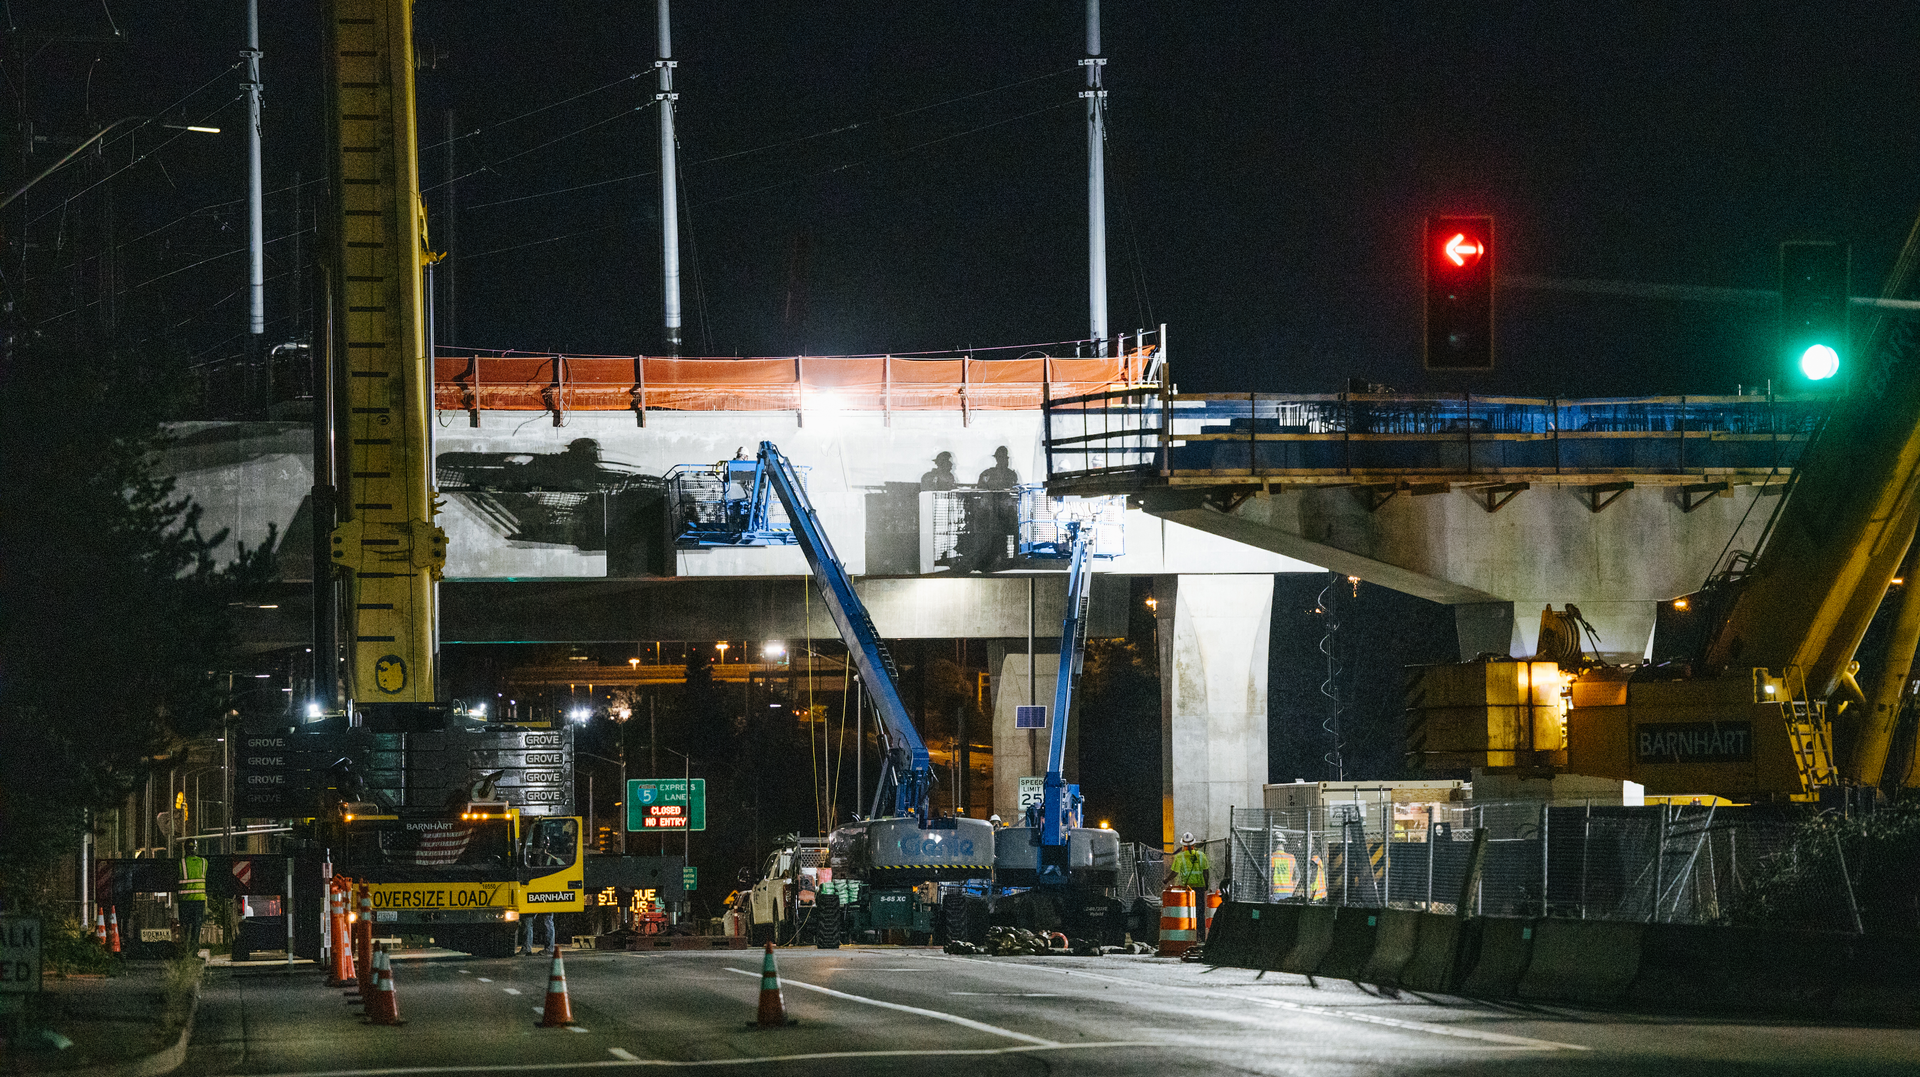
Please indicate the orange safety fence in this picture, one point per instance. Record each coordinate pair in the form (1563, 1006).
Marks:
(805, 383)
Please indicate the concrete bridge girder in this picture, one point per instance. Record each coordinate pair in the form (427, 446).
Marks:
(517, 573)
(1497, 569)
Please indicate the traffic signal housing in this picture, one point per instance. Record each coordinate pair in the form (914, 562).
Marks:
(1459, 261)
(1814, 280)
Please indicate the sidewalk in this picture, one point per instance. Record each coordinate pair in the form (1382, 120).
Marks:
(134, 1025)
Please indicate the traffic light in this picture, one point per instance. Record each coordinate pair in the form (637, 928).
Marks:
(1814, 279)
(1459, 259)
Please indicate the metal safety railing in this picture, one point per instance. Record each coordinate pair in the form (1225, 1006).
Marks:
(1152, 432)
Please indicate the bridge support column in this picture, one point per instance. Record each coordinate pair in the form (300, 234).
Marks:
(1213, 699)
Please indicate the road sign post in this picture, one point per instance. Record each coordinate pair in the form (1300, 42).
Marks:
(659, 804)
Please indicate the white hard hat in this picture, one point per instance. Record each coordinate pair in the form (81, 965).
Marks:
(994, 819)
(1187, 838)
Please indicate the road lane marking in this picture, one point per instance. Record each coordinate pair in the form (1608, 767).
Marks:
(485, 980)
(1007, 994)
(818, 1056)
(623, 1054)
(954, 1018)
(465, 972)
(511, 990)
(1328, 1011)
(575, 1028)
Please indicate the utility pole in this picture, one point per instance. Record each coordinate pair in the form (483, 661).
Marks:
(669, 187)
(1096, 182)
(256, 230)
(451, 232)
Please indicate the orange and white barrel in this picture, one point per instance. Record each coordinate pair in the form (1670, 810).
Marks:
(1213, 903)
(1177, 921)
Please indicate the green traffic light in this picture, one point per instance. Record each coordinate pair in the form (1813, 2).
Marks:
(1819, 362)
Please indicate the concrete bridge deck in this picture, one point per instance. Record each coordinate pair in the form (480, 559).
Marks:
(560, 530)
(1614, 505)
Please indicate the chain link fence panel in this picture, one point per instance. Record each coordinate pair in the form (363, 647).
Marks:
(1685, 864)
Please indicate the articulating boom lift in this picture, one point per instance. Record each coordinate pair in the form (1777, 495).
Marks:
(910, 845)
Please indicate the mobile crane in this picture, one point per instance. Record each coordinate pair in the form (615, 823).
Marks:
(455, 859)
(1754, 674)
(909, 845)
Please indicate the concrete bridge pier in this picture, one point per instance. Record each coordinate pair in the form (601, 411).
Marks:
(1212, 633)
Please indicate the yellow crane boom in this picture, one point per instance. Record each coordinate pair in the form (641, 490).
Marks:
(387, 541)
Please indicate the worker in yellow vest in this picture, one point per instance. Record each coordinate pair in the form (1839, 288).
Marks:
(1190, 868)
(1284, 869)
(191, 893)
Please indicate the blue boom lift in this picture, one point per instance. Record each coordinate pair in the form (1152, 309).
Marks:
(1052, 848)
(903, 843)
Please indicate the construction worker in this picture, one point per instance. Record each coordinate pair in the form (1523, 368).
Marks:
(1286, 871)
(191, 893)
(1190, 868)
(1190, 865)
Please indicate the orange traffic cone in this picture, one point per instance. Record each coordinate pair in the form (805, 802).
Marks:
(384, 1006)
(773, 1009)
(113, 930)
(343, 973)
(363, 941)
(100, 925)
(559, 1009)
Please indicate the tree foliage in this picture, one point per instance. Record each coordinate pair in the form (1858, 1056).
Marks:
(112, 609)
(1833, 865)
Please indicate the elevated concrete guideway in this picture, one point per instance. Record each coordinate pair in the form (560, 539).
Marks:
(560, 527)
(1495, 506)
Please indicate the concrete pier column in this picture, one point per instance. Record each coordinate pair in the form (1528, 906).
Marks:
(1019, 753)
(1213, 698)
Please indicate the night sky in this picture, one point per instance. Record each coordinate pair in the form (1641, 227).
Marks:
(864, 177)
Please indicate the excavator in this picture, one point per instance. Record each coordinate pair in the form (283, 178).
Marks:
(1755, 692)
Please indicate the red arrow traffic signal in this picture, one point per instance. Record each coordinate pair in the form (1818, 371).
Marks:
(1459, 267)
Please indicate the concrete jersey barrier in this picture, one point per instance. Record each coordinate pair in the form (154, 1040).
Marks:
(1312, 939)
(1655, 966)
(1434, 965)
(1582, 961)
(1355, 932)
(1494, 956)
(1393, 947)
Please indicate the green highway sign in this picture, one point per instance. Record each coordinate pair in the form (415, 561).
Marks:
(690, 875)
(657, 804)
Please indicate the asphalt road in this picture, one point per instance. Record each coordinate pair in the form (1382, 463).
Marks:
(882, 1012)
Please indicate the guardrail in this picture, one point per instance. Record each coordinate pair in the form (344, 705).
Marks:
(1148, 435)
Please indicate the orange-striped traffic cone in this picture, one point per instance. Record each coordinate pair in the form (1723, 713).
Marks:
(363, 940)
(773, 1008)
(384, 1007)
(343, 973)
(100, 925)
(113, 930)
(559, 1011)
(1176, 921)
